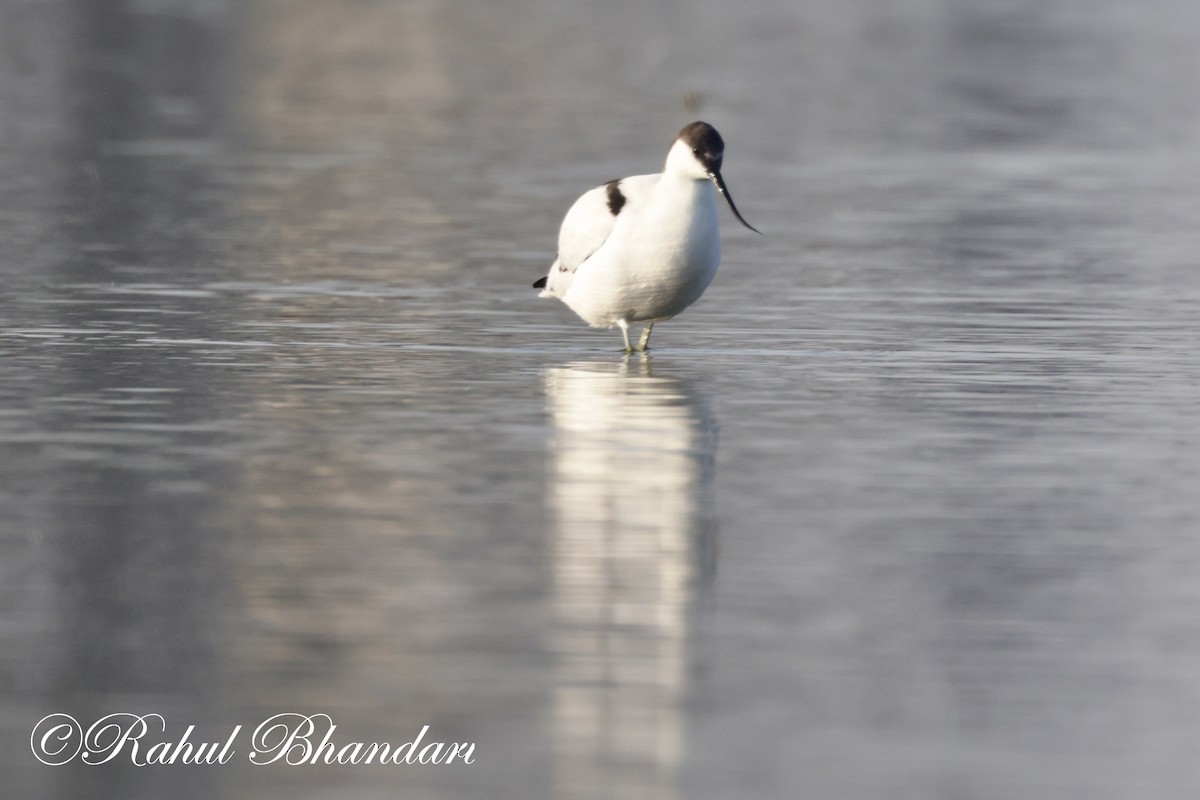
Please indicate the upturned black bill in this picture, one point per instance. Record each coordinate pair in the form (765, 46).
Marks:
(719, 182)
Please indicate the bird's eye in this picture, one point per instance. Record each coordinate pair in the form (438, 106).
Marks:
(696, 151)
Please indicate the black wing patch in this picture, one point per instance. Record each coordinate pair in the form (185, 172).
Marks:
(616, 200)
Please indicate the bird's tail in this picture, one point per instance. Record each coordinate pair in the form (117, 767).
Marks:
(543, 282)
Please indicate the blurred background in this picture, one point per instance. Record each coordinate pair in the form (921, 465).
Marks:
(905, 507)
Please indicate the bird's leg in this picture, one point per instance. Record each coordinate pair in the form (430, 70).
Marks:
(645, 340)
(624, 326)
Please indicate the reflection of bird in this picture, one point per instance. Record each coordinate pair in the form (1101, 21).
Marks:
(632, 538)
(642, 249)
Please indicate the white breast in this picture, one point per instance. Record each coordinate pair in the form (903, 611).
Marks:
(662, 254)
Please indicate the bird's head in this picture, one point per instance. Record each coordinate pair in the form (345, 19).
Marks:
(697, 153)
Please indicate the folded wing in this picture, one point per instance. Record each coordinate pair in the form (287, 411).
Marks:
(588, 225)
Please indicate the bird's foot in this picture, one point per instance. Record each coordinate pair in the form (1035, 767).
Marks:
(625, 336)
(644, 342)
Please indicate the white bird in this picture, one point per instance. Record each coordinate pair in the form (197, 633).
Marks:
(644, 248)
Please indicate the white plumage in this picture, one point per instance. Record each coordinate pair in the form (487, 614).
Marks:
(644, 248)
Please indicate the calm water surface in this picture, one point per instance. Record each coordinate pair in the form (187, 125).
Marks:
(906, 507)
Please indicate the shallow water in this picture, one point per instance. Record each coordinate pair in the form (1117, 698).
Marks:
(904, 507)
